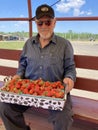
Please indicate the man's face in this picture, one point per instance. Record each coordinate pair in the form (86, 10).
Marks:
(45, 26)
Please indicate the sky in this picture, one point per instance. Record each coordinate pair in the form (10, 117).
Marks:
(62, 8)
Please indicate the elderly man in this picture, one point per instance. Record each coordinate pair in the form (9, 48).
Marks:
(51, 58)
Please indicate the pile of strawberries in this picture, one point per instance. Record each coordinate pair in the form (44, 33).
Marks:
(35, 87)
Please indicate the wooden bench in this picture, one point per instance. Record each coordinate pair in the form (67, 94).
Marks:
(84, 108)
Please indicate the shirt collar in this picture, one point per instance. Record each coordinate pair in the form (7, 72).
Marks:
(36, 39)
(53, 39)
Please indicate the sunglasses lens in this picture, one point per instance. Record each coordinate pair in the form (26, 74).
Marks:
(47, 23)
(40, 23)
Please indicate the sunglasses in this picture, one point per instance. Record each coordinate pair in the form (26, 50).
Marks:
(47, 23)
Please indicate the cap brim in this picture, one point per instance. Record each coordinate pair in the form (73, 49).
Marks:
(42, 15)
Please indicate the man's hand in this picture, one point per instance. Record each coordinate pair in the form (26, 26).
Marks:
(69, 84)
(16, 77)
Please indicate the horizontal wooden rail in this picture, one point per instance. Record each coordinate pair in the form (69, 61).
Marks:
(86, 62)
(14, 19)
(86, 84)
(77, 18)
(10, 54)
(7, 71)
(94, 18)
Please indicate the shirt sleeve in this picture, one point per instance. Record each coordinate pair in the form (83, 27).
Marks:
(22, 62)
(69, 63)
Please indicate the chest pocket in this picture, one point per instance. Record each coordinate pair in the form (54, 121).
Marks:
(53, 58)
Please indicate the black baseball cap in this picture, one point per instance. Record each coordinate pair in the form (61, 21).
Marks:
(44, 10)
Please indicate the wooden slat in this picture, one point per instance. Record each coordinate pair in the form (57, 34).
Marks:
(85, 109)
(86, 62)
(7, 71)
(14, 19)
(39, 122)
(86, 84)
(10, 54)
(76, 18)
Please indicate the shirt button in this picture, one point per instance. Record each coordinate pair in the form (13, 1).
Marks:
(40, 67)
(41, 56)
(50, 54)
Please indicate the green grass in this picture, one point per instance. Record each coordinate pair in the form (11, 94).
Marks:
(15, 45)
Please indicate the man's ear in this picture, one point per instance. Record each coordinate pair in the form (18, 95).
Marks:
(54, 22)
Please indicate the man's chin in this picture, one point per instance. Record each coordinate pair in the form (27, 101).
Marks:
(45, 37)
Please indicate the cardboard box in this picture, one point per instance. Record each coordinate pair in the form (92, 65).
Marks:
(32, 100)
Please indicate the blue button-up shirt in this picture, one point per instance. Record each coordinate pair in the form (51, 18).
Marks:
(53, 62)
